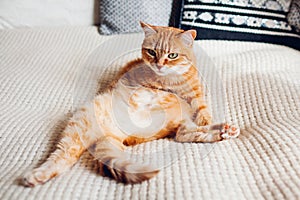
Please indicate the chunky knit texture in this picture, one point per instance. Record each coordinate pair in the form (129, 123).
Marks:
(40, 87)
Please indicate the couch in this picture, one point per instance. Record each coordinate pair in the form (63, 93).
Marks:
(44, 79)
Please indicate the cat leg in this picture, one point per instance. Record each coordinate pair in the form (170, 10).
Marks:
(114, 163)
(67, 154)
(198, 134)
(68, 151)
(202, 115)
(195, 97)
(189, 132)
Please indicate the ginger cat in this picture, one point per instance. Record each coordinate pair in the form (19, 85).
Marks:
(163, 83)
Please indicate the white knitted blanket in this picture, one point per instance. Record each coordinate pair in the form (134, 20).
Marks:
(43, 80)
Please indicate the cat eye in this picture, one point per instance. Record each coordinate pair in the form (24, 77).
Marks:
(173, 55)
(151, 52)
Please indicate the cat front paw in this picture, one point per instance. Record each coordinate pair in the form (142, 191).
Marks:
(203, 118)
(230, 131)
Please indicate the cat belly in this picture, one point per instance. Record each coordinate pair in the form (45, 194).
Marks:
(145, 112)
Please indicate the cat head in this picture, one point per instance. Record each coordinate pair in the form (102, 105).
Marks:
(167, 50)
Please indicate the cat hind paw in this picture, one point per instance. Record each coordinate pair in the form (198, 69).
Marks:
(230, 131)
(35, 177)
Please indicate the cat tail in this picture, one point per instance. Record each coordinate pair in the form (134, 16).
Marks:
(113, 162)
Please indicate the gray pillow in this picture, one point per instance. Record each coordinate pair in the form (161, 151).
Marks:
(123, 16)
(294, 15)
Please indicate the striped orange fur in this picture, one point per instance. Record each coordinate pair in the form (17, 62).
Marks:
(163, 83)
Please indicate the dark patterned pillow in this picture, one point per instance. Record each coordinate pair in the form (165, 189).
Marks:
(248, 20)
(122, 16)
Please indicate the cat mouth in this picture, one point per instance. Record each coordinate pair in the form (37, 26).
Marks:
(162, 70)
(159, 71)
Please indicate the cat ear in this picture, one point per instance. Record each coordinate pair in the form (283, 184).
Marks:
(148, 29)
(188, 37)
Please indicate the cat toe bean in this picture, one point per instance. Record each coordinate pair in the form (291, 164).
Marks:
(230, 131)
